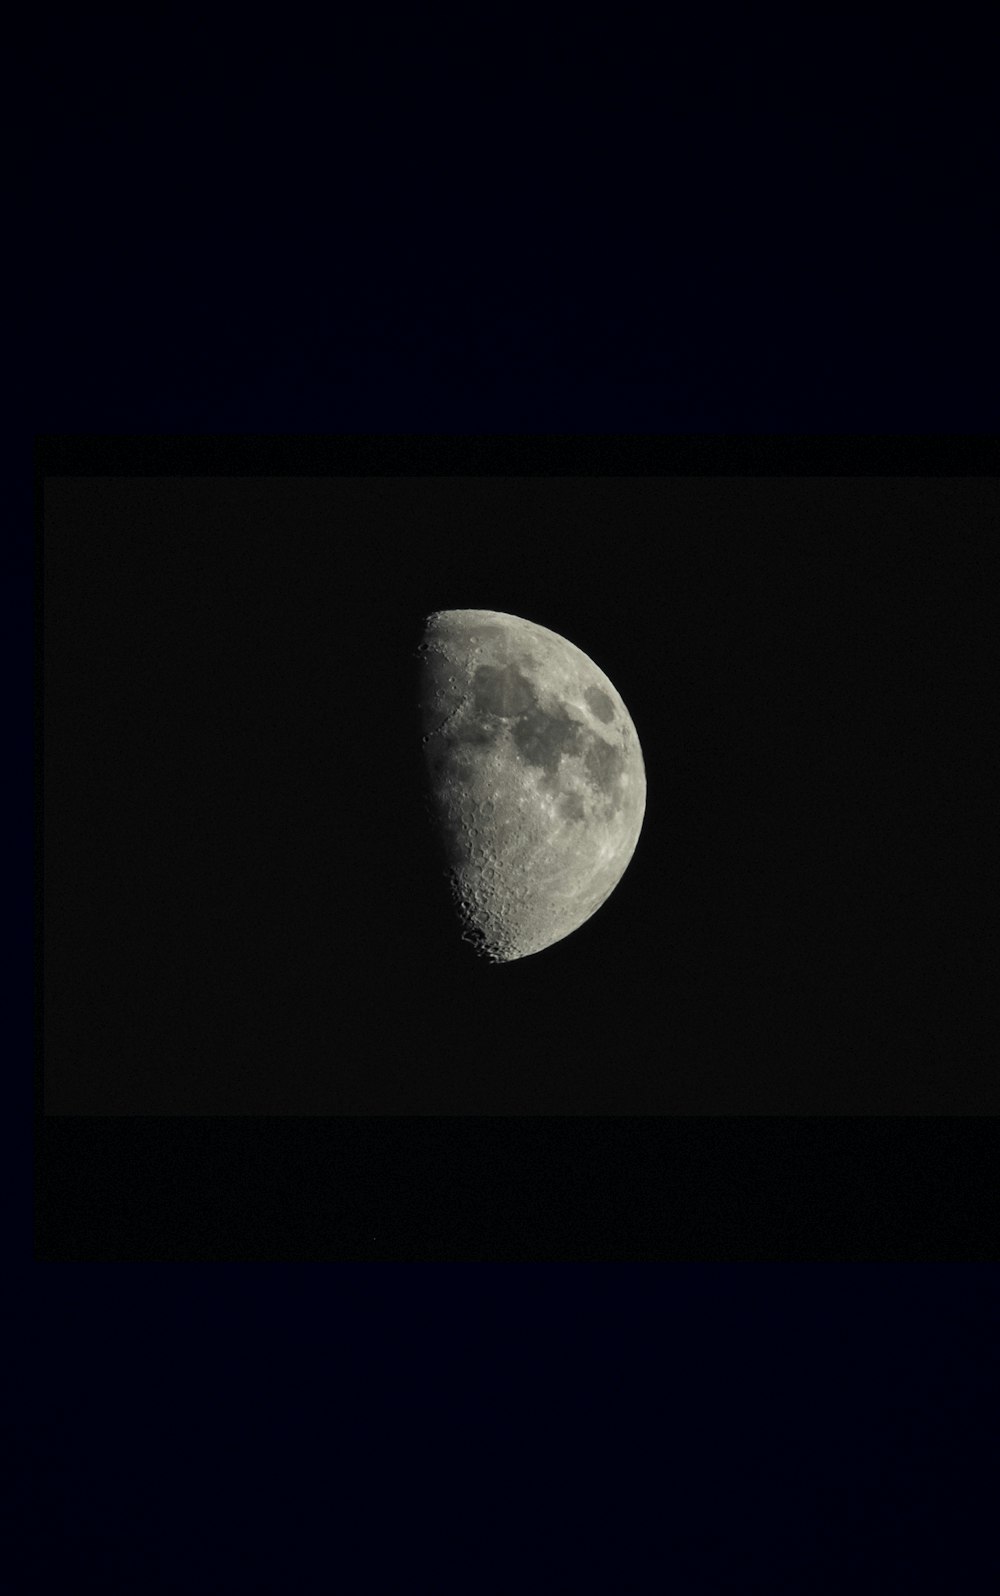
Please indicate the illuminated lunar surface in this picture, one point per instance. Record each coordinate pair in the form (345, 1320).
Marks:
(536, 782)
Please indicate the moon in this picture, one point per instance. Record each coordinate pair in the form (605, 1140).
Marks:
(535, 778)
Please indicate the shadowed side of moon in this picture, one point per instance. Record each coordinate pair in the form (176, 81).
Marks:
(535, 780)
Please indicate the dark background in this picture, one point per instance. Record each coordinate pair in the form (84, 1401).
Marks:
(614, 226)
(694, 1427)
(244, 914)
(618, 223)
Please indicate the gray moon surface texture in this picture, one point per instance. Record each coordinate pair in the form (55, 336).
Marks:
(535, 778)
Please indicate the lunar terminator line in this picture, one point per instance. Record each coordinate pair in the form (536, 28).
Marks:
(536, 780)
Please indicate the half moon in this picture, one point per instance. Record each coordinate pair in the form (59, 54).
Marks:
(536, 782)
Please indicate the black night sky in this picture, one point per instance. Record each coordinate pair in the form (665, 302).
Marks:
(243, 918)
(249, 919)
(731, 1140)
(686, 1427)
(561, 230)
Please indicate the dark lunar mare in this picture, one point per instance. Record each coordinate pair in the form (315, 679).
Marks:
(502, 690)
(542, 739)
(603, 763)
(600, 705)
